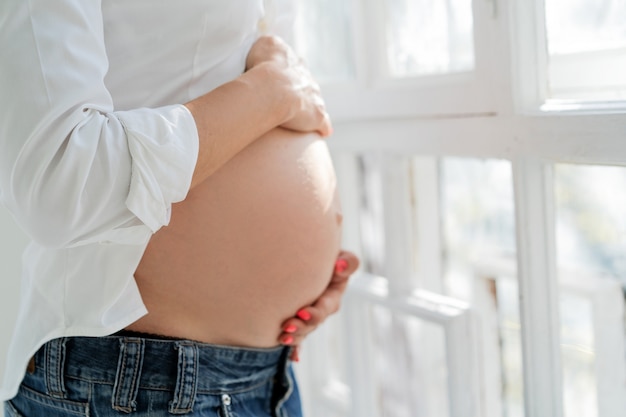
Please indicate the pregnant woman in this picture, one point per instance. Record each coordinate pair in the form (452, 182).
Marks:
(169, 165)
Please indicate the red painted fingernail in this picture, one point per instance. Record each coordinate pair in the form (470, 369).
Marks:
(341, 265)
(295, 357)
(304, 315)
(287, 340)
(290, 329)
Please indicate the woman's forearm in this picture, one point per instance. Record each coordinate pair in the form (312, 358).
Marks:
(232, 116)
(276, 90)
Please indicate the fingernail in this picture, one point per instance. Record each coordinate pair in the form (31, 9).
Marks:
(296, 357)
(290, 329)
(287, 340)
(304, 315)
(341, 265)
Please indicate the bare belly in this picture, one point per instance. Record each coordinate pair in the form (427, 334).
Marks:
(248, 247)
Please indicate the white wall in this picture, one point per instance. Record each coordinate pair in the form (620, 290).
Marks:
(12, 243)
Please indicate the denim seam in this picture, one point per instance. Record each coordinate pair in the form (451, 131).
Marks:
(11, 409)
(165, 388)
(127, 386)
(186, 379)
(119, 382)
(54, 371)
(68, 406)
(290, 384)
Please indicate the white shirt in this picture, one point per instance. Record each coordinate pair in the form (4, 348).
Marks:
(95, 145)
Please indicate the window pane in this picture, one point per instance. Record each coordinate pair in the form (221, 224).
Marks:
(578, 356)
(509, 329)
(323, 371)
(587, 49)
(480, 267)
(478, 220)
(503, 370)
(591, 248)
(324, 38)
(591, 225)
(411, 370)
(372, 214)
(426, 37)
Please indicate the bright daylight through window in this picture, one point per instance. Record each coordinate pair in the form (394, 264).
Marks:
(488, 217)
(587, 49)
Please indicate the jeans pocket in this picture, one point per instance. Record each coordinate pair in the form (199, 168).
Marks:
(29, 403)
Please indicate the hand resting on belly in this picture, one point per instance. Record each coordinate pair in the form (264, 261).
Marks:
(249, 246)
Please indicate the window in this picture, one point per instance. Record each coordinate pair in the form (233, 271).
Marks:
(479, 149)
(587, 49)
(426, 37)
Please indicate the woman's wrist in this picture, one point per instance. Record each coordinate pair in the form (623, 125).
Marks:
(233, 115)
(270, 49)
(269, 81)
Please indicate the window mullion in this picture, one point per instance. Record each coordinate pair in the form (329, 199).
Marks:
(428, 239)
(608, 321)
(397, 220)
(530, 58)
(538, 285)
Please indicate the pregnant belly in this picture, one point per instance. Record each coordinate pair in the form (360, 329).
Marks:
(248, 247)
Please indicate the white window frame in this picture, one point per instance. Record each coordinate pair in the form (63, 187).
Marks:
(451, 116)
(607, 301)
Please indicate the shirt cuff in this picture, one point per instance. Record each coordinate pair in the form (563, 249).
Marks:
(163, 144)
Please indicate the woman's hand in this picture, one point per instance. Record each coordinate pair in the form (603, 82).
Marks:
(293, 81)
(308, 318)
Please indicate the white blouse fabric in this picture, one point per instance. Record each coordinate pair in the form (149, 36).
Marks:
(95, 145)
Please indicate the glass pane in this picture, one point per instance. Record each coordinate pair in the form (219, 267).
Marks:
(426, 37)
(324, 38)
(591, 255)
(509, 327)
(325, 359)
(410, 366)
(587, 49)
(591, 225)
(578, 356)
(480, 267)
(336, 350)
(478, 220)
(503, 372)
(372, 215)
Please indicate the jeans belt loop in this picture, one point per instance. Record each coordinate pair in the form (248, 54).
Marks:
(54, 367)
(186, 378)
(128, 374)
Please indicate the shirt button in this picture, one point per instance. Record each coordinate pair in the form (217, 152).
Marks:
(225, 399)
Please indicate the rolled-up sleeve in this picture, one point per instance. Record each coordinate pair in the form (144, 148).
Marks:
(72, 169)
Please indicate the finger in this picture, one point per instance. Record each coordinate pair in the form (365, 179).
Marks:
(295, 326)
(292, 340)
(294, 329)
(329, 302)
(295, 354)
(324, 307)
(349, 258)
(326, 127)
(308, 318)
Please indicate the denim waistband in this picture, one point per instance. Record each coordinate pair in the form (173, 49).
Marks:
(160, 363)
(181, 369)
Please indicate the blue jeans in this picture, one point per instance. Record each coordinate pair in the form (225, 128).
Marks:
(140, 376)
